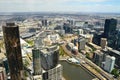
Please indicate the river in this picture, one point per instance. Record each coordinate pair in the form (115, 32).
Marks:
(73, 72)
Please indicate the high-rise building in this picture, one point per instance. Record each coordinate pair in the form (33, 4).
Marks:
(49, 57)
(98, 57)
(36, 62)
(110, 32)
(44, 22)
(110, 27)
(67, 28)
(116, 54)
(49, 61)
(103, 43)
(13, 50)
(71, 22)
(109, 63)
(81, 43)
(118, 41)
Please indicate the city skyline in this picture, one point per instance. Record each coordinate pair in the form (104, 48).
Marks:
(60, 6)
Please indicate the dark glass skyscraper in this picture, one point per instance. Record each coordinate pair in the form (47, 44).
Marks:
(110, 32)
(110, 27)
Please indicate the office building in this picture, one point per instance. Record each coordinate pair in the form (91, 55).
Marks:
(109, 63)
(81, 43)
(49, 61)
(116, 54)
(49, 57)
(36, 62)
(110, 32)
(44, 22)
(110, 27)
(71, 22)
(13, 50)
(97, 38)
(53, 74)
(118, 40)
(103, 43)
(67, 28)
(2, 74)
(98, 57)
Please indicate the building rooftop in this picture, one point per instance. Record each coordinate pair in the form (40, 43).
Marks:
(52, 68)
(114, 51)
(49, 49)
(95, 46)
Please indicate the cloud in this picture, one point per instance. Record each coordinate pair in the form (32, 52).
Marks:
(57, 5)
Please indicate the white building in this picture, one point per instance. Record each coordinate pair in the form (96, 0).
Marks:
(53, 74)
(53, 38)
(109, 63)
(80, 31)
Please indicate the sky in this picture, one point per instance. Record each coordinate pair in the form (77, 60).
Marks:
(112, 6)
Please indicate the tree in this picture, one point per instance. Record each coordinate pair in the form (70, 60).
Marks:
(115, 72)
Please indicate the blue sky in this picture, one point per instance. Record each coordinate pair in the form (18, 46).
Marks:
(60, 5)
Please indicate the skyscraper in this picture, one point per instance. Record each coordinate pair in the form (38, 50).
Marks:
(118, 41)
(44, 22)
(36, 62)
(110, 32)
(49, 57)
(13, 50)
(67, 28)
(109, 27)
(49, 61)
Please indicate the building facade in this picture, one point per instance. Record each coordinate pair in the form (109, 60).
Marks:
(49, 57)
(53, 74)
(13, 50)
(98, 57)
(109, 63)
(110, 27)
(81, 43)
(36, 62)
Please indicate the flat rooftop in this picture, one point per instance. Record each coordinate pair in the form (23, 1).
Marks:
(49, 49)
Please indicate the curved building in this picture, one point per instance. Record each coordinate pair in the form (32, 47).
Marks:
(49, 57)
